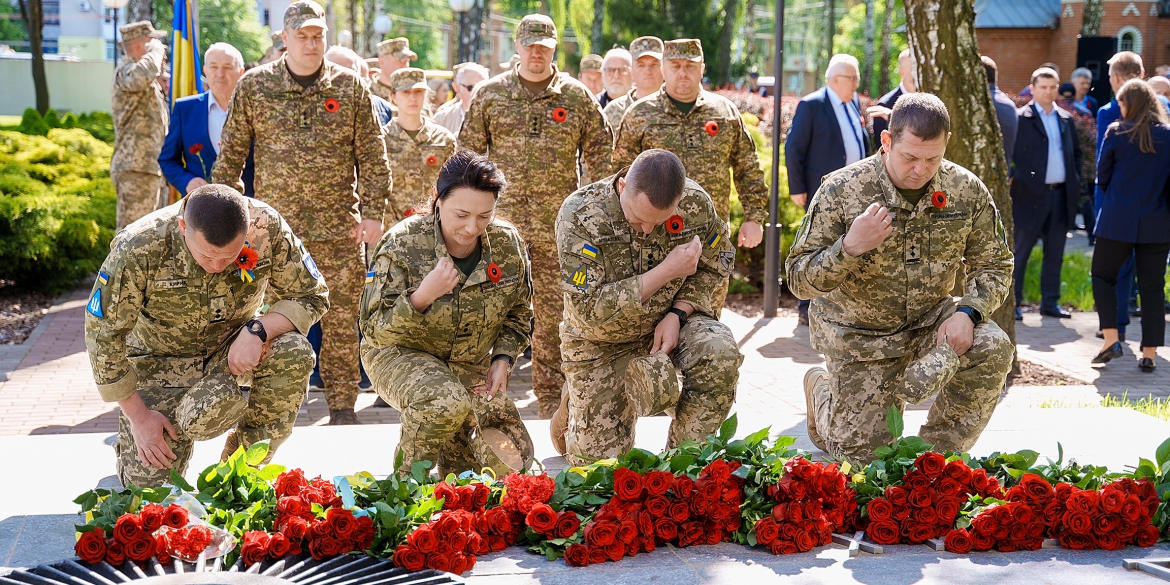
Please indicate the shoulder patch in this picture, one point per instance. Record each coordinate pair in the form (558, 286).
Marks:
(579, 279)
(369, 277)
(94, 307)
(311, 266)
(727, 260)
(713, 240)
(589, 251)
(103, 278)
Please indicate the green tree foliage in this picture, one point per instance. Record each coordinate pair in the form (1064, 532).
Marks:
(668, 19)
(222, 21)
(851, 39)
(11, 27)
(421, 22)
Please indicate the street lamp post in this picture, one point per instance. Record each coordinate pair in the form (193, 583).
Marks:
(115, 5)
(382, 25)
(772, 237)
(470, 13)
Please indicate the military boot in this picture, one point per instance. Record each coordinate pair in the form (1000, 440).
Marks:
(230, 445)
(815, 380)
(343, 416)
(559, 424)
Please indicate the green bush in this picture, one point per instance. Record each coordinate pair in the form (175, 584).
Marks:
(33, 124)
(57, 207)
(51, 119)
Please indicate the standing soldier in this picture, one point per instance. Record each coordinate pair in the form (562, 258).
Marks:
(173, 326)
(641, 254)
(591, 74)
(705, 130)
(416, 146)
(275, 51)
(646, 74)
(141, 117)
(314, 129)
(393, 54)
(533, 120)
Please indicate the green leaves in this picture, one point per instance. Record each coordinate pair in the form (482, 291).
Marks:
(1162, 455)
(894, 421)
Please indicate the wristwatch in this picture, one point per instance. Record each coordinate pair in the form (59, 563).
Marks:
(255, 327)
(975, 316)
(682, 315)
(501, 356)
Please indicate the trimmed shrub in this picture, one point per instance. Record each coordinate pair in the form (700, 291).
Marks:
(33, 124)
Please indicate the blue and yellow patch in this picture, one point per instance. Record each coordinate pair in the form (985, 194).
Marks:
(589, 251)
(714, 240)
(311, 266)
(369, 277)
(103, 278)
(579, 279)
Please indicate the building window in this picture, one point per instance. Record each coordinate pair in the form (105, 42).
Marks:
(1129, 39)
(267, 13)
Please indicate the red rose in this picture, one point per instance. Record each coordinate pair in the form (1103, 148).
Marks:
(480, 495)
(897, 495)
(115, 553)
(1111, 499)
(597, 555)
(1082, 502)
(958, 471)
(324, 548)
(884, 532)
(627, 484)
(718, 470)
(499, 521)
(931, 464)
(295, 528)
(446, 492)
(783, 547)
(979, 480)
(683, 486)
(691, 531)
(947, 510)
(1076, 542)
(293, 506)
(615, 550)
(766, 531)
(439, 562)
(567, 524)
(599, 534)
(982, 541)
(128, 528)
(141, 549)
(1131, 508)
(658, 482)
(176, 516)
(1063, 490)
(577, 555)
(496, 543)
(984, 524)
(255, 547)
(679, 511)
(342, 521)
(1077, 523)
(91, 547)
(916, 480)
(290, 483)
(879, 510)
(926, 515)
(423, 539)
(1148, 535)
(542, 518)
(804, 541)
(947, 487)
(645, 522)
(665, 529)
(364, 535)
(920, 498)
(1104, 524)
(1109, 541)
(478, 545)
(278, 546)
(1037, 488)
(921, 533)
(958, 541)
(152, 517)
(627, 530)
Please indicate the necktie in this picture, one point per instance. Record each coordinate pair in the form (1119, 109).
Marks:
(853, 126)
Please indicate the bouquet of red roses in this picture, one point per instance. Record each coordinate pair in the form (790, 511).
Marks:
(1117, 515)
(133, 536)
(813, 501)
(309, 514)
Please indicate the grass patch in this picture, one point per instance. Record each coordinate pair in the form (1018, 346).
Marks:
(9, 120)
(1155, 407)
(1076, 280)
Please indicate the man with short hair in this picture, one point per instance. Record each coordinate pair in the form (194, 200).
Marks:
(909, 84)
(315, 132)
(590, 74)
(615, 75)
(1082, 80)
(1160, 85)
(393, 54)
(174, 327)
(641, 254)
(533, 120)
(275, 51)
(467, 76)
(646, 74)
(879, 252)
(415, 146)
(140, 116)
(1005, 109)
(1046, 188)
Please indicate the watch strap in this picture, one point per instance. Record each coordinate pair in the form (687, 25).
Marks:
(682, 315)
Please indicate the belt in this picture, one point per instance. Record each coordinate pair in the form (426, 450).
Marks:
(1054, 186)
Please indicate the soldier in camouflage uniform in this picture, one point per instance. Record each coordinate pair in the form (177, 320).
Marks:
(141, 116)
(646, 73)
(165, 330)
(393, 54)
(641, 253)
(416, 146)
(879, 253)
(705, 130)
(445, 313)
(533, 120)
(314, 128)
(590, 74)
(275, 51)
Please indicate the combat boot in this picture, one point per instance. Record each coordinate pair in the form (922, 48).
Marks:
(230, 445)
(814, 379)
(559, 424)
(343, 416)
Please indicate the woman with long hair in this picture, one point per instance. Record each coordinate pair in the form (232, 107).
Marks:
(1133, 217)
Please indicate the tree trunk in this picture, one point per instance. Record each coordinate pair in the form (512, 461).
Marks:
(884, 56)
(369, 46)
(598, 21)
(867, 67)
(470, 33)
(32, 13)
(137, 10)
(1091, 18)
(830, 30)
(942, 40)
(730, 11)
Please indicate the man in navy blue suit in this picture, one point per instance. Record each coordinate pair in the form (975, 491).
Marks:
(881, 117)
(192, 143)
(827, 134)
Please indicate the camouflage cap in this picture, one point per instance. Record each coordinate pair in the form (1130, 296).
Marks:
(408, 78)
(304, 13)
(687, 49)
(277, 41)
(653, 384)
(210, 407)
(399, 48)
(537, 29)
(591, 62)
(651, 46)
(139, 29)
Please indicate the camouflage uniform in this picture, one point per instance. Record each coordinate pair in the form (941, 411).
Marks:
(305, 156)
(415, 161)
(874, 315)
(615, 109)
(538, 154)
(424, 364)
(606, 325)
(141, 116)
(707, 150)
(158, 324)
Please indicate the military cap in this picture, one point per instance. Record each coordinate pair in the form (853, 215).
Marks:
(211, 407)
(277, 41)
(497, 450)
(537, 29)
(591, 62)
(653, 384)
(687, 49)
(142, 28)
(304, 13)
(651, 46)
(399, 48)
(408, 78)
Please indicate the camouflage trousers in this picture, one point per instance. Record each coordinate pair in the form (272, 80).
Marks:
(851, 409)
(442, 419)
(719, 298)
(138, 194)
(278, 387)
(602, 411)
(548, 306)
(344, 269)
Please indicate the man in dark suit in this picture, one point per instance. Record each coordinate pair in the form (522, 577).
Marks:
(192, 143)
(1005, 109)
(827, 134)
(1046, 188)
(881, 118)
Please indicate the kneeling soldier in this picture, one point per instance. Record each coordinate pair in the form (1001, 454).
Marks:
(641, 254)
(173, 327)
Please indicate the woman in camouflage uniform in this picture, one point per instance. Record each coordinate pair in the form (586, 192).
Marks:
(445, 311)
(415, 145)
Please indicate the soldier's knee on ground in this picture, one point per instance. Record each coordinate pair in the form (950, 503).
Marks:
(293, 353)
(992, 347)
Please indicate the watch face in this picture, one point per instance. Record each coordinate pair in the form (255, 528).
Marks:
(255, 327)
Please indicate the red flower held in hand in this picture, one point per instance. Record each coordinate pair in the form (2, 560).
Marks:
(674, 225)
(560, 115)
(939, 199)
(712, 127)
(432, 160)
(494, 273)
(195, 148)
(332, 105)
(91, 547)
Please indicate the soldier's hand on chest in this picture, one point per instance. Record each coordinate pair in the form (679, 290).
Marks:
(683, 260)
(868, 230)
(441, 280)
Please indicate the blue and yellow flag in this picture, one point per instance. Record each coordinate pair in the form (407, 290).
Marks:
(185, 67)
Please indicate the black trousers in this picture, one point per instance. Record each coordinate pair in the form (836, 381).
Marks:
(1054, 232)
(1108, 256)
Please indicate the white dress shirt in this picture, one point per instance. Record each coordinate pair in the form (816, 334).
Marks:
(216, 116)
(849, 119)
(1055, 172)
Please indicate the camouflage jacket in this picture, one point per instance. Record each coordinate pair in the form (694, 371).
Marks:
(415, 162)
(380, 89)
(615, 109)
(307, 145)
(141, 114)
(155, 315)
(867, 307)
(707, 150)
(535, 146)
(466, 328)
(603, 258)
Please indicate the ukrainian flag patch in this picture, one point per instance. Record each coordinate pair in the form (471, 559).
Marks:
(103, 278)
(589, 251)
(369, 277)
(714, 240)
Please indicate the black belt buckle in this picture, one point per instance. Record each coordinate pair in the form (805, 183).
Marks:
(1054, 186)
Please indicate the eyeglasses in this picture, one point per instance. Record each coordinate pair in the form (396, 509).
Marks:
(850, 77)
(467, 87)
(616, 69)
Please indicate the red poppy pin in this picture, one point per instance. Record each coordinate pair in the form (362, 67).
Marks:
(674, 225)
(432, 160)
(494, 272)
(408, 213)
(560, 115)
(712, 128)
(195, 149)
(332, 105)
(247, 259)
(939, 199)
